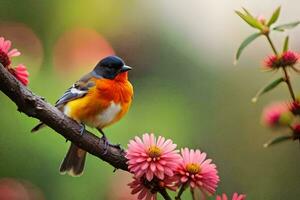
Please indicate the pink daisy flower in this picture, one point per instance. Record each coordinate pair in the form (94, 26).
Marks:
(151, 157)
(197, 171)
(277, 114)
(5, 53)
(148, 189)
(235, 196)
(20, 71)
(144, 191)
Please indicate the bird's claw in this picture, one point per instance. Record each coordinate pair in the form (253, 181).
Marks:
(107, 144)
(82, 129)
(118, 146)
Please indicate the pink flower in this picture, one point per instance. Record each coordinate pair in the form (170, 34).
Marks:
(197, 171)
(21, 73)
(277, 114)
(235, 196)
(261, 19)
(271, 62)
(151, 157)
(144, 191)
(148, 189)
(5, 54)
(288, 58)
(296, 131)
(295, 107)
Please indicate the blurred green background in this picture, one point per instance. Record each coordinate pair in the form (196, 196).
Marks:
(186, 88)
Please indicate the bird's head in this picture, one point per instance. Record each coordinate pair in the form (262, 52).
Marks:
(110, 68)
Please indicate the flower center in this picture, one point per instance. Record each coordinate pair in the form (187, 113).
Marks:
(4, 59)
(193, 168)
(154, 152)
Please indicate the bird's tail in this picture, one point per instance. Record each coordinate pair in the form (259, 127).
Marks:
(38, 127)
(73, 163)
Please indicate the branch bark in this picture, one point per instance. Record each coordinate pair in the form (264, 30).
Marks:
(34, 106)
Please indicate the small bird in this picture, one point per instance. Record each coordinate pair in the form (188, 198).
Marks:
(99, 99)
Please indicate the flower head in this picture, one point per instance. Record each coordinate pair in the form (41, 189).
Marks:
(197, 171)
(277, 114)
(148, 189)
(235, 196)
(5, 53)
(151, 157)
(295, 107)
(261, 19)
(288, 58)
(143, 190)
(21, 73)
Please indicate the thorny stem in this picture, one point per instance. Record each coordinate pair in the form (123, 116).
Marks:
(183, 187)
(286, 76)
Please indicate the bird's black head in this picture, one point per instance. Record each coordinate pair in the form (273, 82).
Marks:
(110, 67)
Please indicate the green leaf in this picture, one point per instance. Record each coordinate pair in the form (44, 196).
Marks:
(247, 12)
(274, 17)
(245, 43)
(286, 44)
(283, 27)
(267, 88)
(250, 20)
(277, 140)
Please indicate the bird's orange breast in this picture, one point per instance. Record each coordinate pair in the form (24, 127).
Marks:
(105, 103)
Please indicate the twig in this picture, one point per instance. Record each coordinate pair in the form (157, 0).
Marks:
(286, 76)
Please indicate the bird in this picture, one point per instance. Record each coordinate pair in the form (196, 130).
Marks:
(99, 99)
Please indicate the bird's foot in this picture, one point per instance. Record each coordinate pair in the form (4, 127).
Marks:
(108, 144)
(82, 128)
(118, 146)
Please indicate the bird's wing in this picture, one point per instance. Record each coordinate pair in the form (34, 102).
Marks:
(79, 89)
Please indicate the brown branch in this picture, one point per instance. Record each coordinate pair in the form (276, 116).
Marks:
(35, 106)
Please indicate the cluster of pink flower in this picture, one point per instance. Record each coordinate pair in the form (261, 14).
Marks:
(156, 165)
(19, 71)
(283, 114)
(286, 59)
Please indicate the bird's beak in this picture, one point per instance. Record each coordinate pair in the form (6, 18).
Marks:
(125, 68)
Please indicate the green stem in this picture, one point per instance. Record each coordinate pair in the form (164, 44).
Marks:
(272, 45)
(288, 82)
(193, 194)
(286, 76)
(183, 187)
(164, 194)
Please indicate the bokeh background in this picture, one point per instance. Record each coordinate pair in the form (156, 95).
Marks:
(186, 88)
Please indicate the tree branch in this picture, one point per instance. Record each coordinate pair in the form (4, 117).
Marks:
(35, 106)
